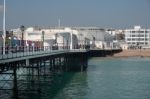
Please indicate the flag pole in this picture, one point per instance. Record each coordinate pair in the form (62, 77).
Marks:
(4, 28)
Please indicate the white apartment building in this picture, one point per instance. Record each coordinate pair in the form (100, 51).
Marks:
(137, 37)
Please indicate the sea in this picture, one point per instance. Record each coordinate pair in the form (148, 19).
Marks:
(105, 78)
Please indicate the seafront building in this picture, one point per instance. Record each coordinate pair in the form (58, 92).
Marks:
(47, 37)
(111, 31)
(82, 37)
(137, 37)
(89, 37)
(98, 37)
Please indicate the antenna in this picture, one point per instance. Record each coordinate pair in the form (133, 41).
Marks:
(58, 23)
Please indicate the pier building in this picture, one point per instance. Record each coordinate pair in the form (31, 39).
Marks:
(89, 37)
(99, 38)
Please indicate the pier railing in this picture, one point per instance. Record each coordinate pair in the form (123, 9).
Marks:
(15, 52)
(21, 51)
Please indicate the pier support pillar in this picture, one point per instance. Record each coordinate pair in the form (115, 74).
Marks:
(44, 68)
(15, 86)
(53, 64)
(27, 62)
(50, 64)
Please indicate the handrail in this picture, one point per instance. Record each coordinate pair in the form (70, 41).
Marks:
(16, 52)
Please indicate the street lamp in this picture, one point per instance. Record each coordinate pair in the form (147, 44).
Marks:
(56, 39)
(22, 28)
(93, 41)
(71, 34)
(4, 28)
(10, 44)
(63, 41)
(9, 41)
(43, 33)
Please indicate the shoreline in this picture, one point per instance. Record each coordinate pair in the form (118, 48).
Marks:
(133, 53)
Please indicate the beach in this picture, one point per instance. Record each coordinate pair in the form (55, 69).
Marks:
(133, 53)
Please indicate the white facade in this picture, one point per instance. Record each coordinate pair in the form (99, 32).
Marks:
(124, 46)
(99, 38)
(33, 35)
(81, 37)
(137, 37)
(111, 31)
(29, 35)
(67, 40)
(61, 37)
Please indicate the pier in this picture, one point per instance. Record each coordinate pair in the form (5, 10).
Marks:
(20, 69)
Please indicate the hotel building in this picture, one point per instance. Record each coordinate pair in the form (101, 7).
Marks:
(137, 37)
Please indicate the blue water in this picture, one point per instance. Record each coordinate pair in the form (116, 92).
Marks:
(106, 78)
(119, 78)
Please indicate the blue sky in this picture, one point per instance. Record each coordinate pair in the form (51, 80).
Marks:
(102, 13)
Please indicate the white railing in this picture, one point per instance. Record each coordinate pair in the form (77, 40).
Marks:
(16, 52)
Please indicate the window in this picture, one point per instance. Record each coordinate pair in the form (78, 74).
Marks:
(33, 34)
(133, 35)
(133, 43)
(140, 35)
(140, 31)
(141, 43)
(129, 39)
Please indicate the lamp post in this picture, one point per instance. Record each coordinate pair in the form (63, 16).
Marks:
(63, 41)
(9, 41)
(4, 29)
(10, 45)
(22, 28)
(43, 33)
(56, 43)
(93, 41)
(71, 34)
